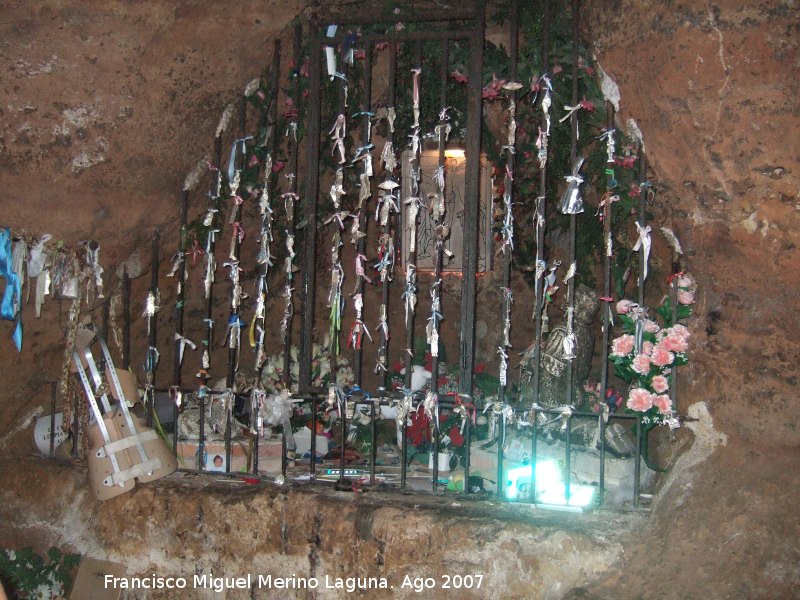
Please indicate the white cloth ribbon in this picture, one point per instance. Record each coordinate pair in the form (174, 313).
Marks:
(182, 343)
(643, 243)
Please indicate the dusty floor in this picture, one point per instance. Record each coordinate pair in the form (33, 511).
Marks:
(106, 108)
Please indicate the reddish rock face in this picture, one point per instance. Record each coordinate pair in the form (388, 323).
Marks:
(710, 86)
(108, 106)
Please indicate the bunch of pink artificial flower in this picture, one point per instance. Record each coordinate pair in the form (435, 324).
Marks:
(647, 352)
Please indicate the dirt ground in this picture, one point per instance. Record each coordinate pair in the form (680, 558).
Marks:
(107, 106)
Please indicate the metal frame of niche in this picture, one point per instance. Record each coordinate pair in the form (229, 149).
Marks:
(466, 26)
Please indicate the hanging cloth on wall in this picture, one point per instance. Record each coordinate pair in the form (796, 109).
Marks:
(12, 297)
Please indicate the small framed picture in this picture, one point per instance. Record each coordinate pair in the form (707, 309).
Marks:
(215, 462)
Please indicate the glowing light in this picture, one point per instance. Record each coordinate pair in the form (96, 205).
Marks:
(454, 153)
(550, 488)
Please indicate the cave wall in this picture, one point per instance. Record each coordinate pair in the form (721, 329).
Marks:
(107, 106)
(710, 85)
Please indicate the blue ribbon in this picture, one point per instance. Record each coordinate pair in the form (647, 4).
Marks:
(240, 142)
(13, 292)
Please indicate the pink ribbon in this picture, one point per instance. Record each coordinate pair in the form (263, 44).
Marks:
(238, 231)
(360, 258)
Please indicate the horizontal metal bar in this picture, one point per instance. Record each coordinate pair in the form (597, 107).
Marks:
(381, 17)
(403, 36)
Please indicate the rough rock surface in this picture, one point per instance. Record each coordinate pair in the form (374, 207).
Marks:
(106, 108)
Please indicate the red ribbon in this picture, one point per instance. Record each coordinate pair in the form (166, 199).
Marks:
(674, 276)
(468, 405)
(238, 231)
(195, 252)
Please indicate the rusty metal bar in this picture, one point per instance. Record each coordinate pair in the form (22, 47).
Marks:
(210, 251)
(289, 205)
(126, 320)
(308, 292)
(642, 217)
(508, 197)
(573, 227)
(234, 347)
(179, 311)
(53, 396)
(412, 256)
(539, 223)
(151, 361)
(363, 211)
(383, 352)
(436, 285)
(471, 205)
(607, 222)
(270, 119)
(370, 18)
(181, 294)
(637, 468)
(673, 380)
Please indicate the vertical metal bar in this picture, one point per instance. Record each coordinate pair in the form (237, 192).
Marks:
(308, 293)
(181, 276)
(373, 454)
(637, 468)
(313, 460)
(468, 446)
(436, 285)
(535, 425)
(607, 218)
(568, 460)
(506, 288)
(210, 250)
(642, 217)
(126, 320)
(412, 256)
(106, 317)
(234, 349)
(673, 380)
(573, 154)
(179, 310)
(284, 458)
(75, 425)
(152, 352)
(363, 212)
(290, 203)
(539, 224)
(53, 394)
(343, 419)
(269, 119)
(471, 204)
(501, 441)
(509, 183)
(397, 244)
(390, 230)
(201, 443)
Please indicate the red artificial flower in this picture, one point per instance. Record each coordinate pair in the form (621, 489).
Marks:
(492, 89)
(419, 430)
(305, 69)
(278, 166)
(459, 76)
(455, 436)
